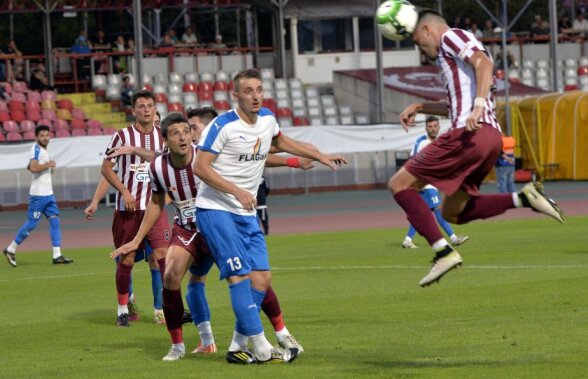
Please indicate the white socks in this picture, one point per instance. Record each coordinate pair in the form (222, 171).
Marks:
(280, 335)
(12, 247)
(239, 341)
(122, 309)
(262, 347)
(56, 252)
(439, 244)
(205, 331)
(517, 200)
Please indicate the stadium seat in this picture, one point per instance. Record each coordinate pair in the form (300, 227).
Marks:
(10, 126)
(300, 121)
(76, 123)
(222, 105)
(147, 79)
(222, 76)
(16, 105)
(270, 104)
(64, 114)
(161, 108)
(34, 115)
(175, 107)
(344, 110)
(19, 97)
(95, 124)
(220, 86)
(64, 104)
(62, 133)
(114, 80)
(268, 93)
(175, 77)
(174, 98)
(328, 100)
(191, 105)
(78, 133)
(148, 87)
(190, 87)
(205, 87)
(361, 118)
(48, 104)
(33, 105)
(47, 123)
(49, 114)
(160, 78)
(160, 88)
(78, 113)
(161, 98)
(314, 112)
(27, 126)
(34, 96)
(189, 97)
(18, 115)
(205, 96)
(316, 121)
(29, 135)
(99, 82)
(299, 112)
(206, 104)
(48, 95)
(347, 119)
(174, 88)
(4, 116)
(107, 131)
(297, 93)
(13, 137)
(332, 120)
(206, 77)
(3, 105)
(285, 122)
(267, 73)
(62, 124)
(94, 132)
(19, 87)
(2, 137)
(112, 92)
(311, 92)
(330, 111)
(191, 77)
(220, 96)
(283, 112)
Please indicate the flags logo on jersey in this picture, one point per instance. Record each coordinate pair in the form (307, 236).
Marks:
(256, 156)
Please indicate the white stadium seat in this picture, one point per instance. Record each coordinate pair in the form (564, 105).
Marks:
(174, 77)
(191, 77)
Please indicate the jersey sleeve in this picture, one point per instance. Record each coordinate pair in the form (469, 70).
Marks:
(460, 44)
(213, 138)
(115, 141)
(156, 186)
(35, 152)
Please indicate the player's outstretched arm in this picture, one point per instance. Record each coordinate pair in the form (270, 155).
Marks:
(274, 160)
(288, 145)
(145, 154)
(407, 117)
(152, 213)
(203, 169)
(99, 194)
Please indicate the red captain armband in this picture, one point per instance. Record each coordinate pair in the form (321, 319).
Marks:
(293, 162)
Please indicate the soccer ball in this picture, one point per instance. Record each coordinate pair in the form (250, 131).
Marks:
(396, 19)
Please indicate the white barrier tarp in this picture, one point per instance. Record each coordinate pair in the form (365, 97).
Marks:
(89, 151)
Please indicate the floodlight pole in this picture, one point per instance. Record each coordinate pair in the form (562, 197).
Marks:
(281, 4)
(553, 44)
(138, 23)
(379, 69)
(47, 9)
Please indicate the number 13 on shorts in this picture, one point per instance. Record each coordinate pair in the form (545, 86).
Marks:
(234, 263)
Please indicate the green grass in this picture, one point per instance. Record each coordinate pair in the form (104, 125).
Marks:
(518, 308)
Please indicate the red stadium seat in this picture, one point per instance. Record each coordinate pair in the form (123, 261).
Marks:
(47, 123)
(63, 125)
(49, 114)
(16, 105)
(94, 132)
(205, 95)
(270, 104)
(13, 137)
(8, 87)
(148, 87)
(220, 86)
(19, 87)
(190, 87)
(33, 105)
(78, 113)
(34, 115)
(29, 136)
(62, 133)
(94, 124)
(301, 121)
(222, 105)
(78, 133)
(570, 87)
(205, 86)
(48, 95)
(65, 104)
(284, 112)
(231, 86)
(175, 107)
(18, 116)
(3, 105)
(10, 126)
(4, 116)
(27, 126)
(582, 71)
(18, 96)
(76, 123)
(2, 137)
(161, 98)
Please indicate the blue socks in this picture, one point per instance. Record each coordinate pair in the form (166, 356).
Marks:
(411, 232)
(197, 303)
(157, 287)
(246, 312)
(55, 231)
(444, 224)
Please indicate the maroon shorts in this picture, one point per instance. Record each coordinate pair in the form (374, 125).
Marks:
(458, 159)
(126, 225)
(189, 240)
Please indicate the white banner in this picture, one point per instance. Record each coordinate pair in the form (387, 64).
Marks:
(89, 151)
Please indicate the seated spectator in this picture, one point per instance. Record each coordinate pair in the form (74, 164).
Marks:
(218, 43)
(101, 43)
(539, 27)
(173, 36)
(126, 92)
(475, 31)
(18, 69)
(39, 81)
(166, 41)
(82, 46)
(130, 44)
(189, 37)
(101, 62)
(488, 29)
(120, 62)
(564, 25)
(580, 24)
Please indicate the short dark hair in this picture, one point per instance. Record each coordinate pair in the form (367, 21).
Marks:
(207, 114)
(429, 13)
(142, 94)
(171, 119)
(431, 119)
(250, 73)
(40, 128)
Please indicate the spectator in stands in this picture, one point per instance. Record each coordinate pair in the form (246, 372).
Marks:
(511, 61)
(466, 24)
(456, 22)
(564, 25)
(17, 63)
(539, 27)
(39, 81)
(488, 29)
(189, 37)
(130, 44)
(173, 36)
(166, 41)
(218, 43)
(475, 31)
(120, 62)
(82, 45)
(580, 24)
(101, 45)
(126, 92)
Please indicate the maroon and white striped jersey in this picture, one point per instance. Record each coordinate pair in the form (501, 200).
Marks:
(133, 171)
(180, 184)
(457, 47)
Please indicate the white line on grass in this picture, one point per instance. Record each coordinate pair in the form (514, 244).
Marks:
(329, 268)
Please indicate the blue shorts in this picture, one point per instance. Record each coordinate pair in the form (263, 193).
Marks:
(236, 242)
(39, 205)
(431, 197)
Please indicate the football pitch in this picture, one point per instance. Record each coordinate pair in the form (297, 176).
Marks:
(516, 309)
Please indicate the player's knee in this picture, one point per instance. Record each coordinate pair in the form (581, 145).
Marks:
(171, 279)
(31, 224)
(261, 279)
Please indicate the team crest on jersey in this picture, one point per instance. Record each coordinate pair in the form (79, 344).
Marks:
(256, 156)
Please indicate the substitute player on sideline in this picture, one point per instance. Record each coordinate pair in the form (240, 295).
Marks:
(231, 157)
(41, 200)
(458, 161)
(133, 195)
(430, 193)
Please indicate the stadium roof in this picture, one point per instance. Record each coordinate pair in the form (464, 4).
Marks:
(321, 9)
